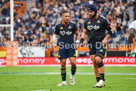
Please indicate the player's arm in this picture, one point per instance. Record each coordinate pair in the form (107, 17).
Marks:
(134, 43)
(130, 37)
(77, 36)
(134, 40)
(84, 36)
(131, 32)
(109, 33)
(55, 39)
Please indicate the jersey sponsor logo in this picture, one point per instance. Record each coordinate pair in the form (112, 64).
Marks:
(64, 32)
(69, 32)
(95, 27)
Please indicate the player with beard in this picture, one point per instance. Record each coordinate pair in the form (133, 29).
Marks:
(97, 30)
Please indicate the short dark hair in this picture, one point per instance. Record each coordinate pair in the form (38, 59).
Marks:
(64, 11)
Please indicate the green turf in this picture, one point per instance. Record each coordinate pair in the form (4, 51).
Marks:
(43, 82)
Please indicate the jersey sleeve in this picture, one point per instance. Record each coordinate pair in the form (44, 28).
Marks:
(56, 30)
(106, 23)
(75, 28)
(85, 25)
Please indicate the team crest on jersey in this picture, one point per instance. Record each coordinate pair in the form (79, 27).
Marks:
(98, 21)
(101, 50)
(61, 27)
(69, 27)
(89, 22)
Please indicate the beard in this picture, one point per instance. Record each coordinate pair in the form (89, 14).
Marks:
(92, 16)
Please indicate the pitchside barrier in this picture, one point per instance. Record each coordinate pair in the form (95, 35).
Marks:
(81, 61)
(12, 54)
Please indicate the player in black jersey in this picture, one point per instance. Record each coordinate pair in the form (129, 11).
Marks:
(66, 30)
(97, 30)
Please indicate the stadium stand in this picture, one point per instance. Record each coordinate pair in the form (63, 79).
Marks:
(4, 12)
(36, 26)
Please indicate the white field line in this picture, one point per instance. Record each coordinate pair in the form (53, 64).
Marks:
(131, 78)
(58, 73)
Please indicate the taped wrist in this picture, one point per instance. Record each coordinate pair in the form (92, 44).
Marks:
(109, 31)
(81, 40)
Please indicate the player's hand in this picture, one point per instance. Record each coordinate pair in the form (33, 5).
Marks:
(55, 51)
(104, 43)
(77, 44)
(81, 42)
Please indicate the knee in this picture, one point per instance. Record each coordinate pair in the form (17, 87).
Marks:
(63, 65)
(73, 63)
(98, 59)
(99, 62)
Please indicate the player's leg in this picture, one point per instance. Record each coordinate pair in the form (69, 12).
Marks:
(101, 67)
(92, 53)
(100, 53)
(73, 70)
(72, 59)
(63, 72)
(95, 66)
(73, 65)
(96, 72)
(62, 57)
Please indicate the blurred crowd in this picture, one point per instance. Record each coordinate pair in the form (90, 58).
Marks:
(38, 27)
(4, 12)
(4, 35)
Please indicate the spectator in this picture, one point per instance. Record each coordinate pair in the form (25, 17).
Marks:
(39, 26)
(134, 9)
(4, 12)
(127, 17)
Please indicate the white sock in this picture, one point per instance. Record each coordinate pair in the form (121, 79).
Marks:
(72, 75)
(64, 81)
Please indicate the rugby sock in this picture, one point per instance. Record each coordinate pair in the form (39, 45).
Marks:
(98, 79)
(102, 76)
(63, 74)
(73, 70)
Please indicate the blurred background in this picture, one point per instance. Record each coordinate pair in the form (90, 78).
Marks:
(4, 12)
(34, 22)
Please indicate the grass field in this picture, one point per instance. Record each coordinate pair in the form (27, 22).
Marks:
(47, 78)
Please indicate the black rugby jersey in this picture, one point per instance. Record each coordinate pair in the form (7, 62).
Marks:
(66, 33)
(96, 29)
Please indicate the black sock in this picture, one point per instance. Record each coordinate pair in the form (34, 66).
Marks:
(98, 79)
(102, 76)
(73, 70)
(63, 74)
